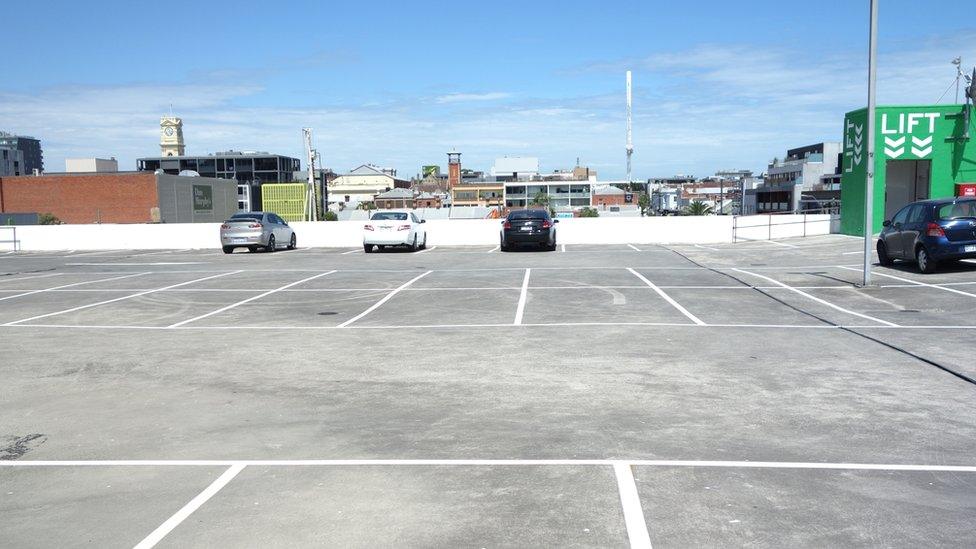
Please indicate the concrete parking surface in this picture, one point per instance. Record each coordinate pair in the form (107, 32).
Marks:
(595, 396)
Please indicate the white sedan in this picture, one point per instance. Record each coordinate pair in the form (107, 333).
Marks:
(394, 229)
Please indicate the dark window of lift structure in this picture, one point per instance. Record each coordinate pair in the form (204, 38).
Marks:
(221, 166)
(190, 164)
(266, 164)
(243, 164)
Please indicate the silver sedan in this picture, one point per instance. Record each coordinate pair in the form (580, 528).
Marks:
(253, 230)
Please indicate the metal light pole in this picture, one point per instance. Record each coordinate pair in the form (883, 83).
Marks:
(869, 179)
(958, 63)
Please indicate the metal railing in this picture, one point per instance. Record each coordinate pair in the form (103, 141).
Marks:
(13, 239)
(738, 227)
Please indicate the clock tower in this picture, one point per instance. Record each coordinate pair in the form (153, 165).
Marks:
(171, 136)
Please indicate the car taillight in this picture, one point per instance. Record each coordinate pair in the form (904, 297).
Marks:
(225, 227)
(933, 229)
(546, 224)
(368, 227)
(507, 225)
(255, 226)
(403, 228)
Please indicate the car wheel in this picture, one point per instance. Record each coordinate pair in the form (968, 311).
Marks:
(413, 247)
(368, 248)
(252, 249)
(294, 242)
(925, 262)
(271, 244)
(228, 249)
(423, 246)
(502, 246)
(883, 258)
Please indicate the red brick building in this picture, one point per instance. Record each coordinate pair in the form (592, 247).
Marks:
(121, 197)
(608, 195)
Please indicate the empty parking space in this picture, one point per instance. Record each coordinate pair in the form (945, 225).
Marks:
(723, 507)
(725, 396)
(93, 506)
(295, 309)
(412, 506)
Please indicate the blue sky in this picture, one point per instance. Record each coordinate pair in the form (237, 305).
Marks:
(718, 85)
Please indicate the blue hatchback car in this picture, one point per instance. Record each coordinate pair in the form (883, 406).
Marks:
(929, 232)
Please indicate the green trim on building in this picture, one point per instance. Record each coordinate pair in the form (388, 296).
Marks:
(934, 133)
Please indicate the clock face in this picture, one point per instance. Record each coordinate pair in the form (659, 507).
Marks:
(169, 131)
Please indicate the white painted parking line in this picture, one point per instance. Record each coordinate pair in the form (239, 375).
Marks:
(520, 310)
(496, 248)
(248, 300)
(914, 282)
(427, 249)
(386, 298)
(165, 528)
(509, 325)
(48, 275)
(706, 248)
(563, 247)
(634, 247)
(352, 251)
(102, 252)
(73, 309)
(114, 264)
(718, 464)
(817, 299)
(630, 501)
(859, 252)
(784, 244)
(32, 292)
(667, 298)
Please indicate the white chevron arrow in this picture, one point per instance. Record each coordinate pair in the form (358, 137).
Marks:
(921, 153)
(857, 141)
(894, 153)
(921, 142)
(889, 142)
(857, 158)
(858, 128)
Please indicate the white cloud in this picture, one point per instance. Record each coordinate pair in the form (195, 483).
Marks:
(468, 97)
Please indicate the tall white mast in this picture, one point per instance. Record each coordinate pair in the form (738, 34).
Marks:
(630, 137)
(311, 212)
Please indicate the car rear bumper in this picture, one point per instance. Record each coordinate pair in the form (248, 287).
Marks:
(404, 239)
(945, 249)
(242, 239)
(518, 237)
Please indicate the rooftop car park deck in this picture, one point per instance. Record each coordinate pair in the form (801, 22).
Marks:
(595, 396)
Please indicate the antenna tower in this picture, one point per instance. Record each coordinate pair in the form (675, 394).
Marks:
(311, 212)
(630, 137)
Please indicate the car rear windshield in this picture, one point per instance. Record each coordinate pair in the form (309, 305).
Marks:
(389, 216)
(244, 217)
(963, 208)
(528, 214)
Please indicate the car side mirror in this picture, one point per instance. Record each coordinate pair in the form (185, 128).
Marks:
(423, 221)
(555, 221)
(887, 223)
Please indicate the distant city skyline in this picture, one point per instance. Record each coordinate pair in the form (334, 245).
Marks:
(716, 86)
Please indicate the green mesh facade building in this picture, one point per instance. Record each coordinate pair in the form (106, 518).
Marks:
(920, 152)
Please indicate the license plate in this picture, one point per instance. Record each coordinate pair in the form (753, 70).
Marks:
(970, 248)
(527, 228)
(386, 227)
(238, 240)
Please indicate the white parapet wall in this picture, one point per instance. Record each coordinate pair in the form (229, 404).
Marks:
(441, 232)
